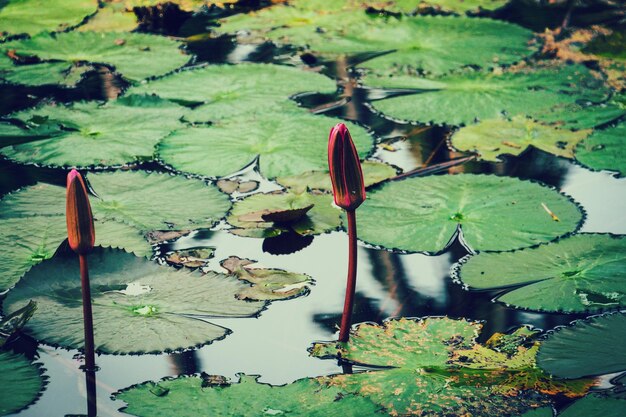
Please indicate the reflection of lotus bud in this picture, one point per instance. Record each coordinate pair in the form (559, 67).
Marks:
(80, 231)
(345, 169)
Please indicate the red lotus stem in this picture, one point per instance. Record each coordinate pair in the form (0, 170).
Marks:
(346, 177)
(81, 237)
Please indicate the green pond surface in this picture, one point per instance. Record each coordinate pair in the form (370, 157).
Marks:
(493, 286)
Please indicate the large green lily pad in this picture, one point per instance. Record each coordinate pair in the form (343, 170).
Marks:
(136, 56)
(195, 396)
(138, 306)
(605, 149)
(583, 273)
(286, 143)
(433, 44)
(34, 16)
(21, 382)
(466, 97)
(494, 213)
(226, 91)
(494, 137)
(65, 73)
(89, 134)
(587, 347)
(457, 6)
(596, 405)
(435, 367)
(249, 216)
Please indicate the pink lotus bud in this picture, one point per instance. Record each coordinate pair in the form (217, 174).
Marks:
(345, 169)
(80, 230)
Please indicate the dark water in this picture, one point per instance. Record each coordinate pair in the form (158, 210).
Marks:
(389, 284)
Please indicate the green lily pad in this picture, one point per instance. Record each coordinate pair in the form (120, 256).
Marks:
(456, 6)
(136, 56)
(435, 367)
(111, 17)
(373, 173)
(138, 306)
(65, 73)
(21, 381)
(89, 134)
(433, 44)
(583, 116)
(587, 347)
(494, 213)
(247, 214)
(34, 16)
(193, 396)
(495, 137)
(285, 143)
(464, 98)
(14, 322)
(604, 149)
(588, 272)
(267, 284)
(227, 91)
(600, 405)
(539, 412)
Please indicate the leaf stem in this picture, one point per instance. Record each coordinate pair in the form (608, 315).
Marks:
(344, 331)
(90, 360)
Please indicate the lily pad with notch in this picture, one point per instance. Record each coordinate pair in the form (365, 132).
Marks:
(586, 347)
(494, 213)
(22, 382)
(267, 283)
(587, 271)
(88, 134)
(138, 306)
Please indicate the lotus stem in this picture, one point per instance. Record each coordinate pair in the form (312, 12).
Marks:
(344, 331)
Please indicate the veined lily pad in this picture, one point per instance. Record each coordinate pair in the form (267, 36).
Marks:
(267, 284)
(435, 367)
(464, 98)
(138, 306)
(34, 16)
(65, 73)
(193, 396)
(586, 271)
(226, 91)
(495, 137)
(434, 44)
(423, 214)
(285, 143)
(605, 149)
(599, 404)
(246, 214)
(587, 347)
(135, 55)
(89, 134)
(21, 382)
(373, 173)
(113, 16)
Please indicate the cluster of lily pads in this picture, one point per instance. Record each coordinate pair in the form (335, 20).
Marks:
(489, 81)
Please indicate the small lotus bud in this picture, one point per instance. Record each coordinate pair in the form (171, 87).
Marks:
(80, 230)
(345, 169)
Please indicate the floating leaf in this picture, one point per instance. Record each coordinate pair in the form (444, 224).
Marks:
(34, 16)
(434, 367)
(495, 137)
(604, 149)
(373, 173)
(457, 6)
(246, 214)
(135, 55)
(43, 73)
(111, 17)
(14, 322)
(21, 382)
(464, 98)
(286, 143)
(587, 347)
(494, 213)
(192, 396)
(267, 284)
(227, 91)
(587, 271)
(596, 404)
(89, 134)
(191, 258)
(433, 44)
(138, 306)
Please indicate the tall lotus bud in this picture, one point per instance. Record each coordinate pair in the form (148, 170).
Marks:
(80, 230)
(345, 169)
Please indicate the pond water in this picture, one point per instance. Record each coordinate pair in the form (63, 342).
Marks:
(390, 284)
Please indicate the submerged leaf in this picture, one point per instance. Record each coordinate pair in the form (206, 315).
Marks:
(587, 347)
(587, 271)
(21, 382)
(267, 284)
(494, 213)
(138, 306)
